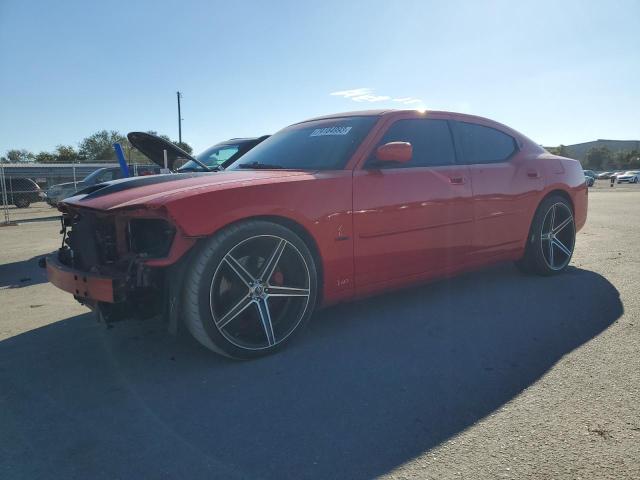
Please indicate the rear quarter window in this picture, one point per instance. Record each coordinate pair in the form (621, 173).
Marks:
(480, 144)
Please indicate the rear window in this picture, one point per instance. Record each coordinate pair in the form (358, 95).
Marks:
(480, 144)
(22, 184)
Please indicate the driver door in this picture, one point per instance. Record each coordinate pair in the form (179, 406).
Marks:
(414, 220)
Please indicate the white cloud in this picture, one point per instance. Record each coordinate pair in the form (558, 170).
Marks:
(368, 95)
(370, 98)
(356, 92)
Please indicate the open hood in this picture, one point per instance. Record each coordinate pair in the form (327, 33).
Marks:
(153, 148)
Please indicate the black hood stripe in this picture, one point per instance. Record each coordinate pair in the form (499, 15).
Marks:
(114, 186)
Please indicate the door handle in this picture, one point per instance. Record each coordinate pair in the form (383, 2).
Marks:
(456, 180)
(531, 173)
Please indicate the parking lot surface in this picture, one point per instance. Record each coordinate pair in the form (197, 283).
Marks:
(489, 375)
(35, 211)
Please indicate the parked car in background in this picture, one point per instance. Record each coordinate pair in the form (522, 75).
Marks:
(214, 158)
(326, 210)
(590, 177)
(55, 193)
(223, 154)
(604, 175)
(631, 176)
(21, 192)
(614, 175)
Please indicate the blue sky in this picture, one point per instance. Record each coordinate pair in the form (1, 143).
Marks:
(558, 71)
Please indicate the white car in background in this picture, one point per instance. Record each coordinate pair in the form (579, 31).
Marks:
(632, 176)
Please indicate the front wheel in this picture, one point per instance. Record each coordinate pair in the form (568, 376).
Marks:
(250, 288)
(551, 238)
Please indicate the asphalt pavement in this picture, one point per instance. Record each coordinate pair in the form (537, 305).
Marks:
(493, 374)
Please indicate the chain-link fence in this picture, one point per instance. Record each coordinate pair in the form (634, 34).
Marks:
(31, 192)
(23, 198)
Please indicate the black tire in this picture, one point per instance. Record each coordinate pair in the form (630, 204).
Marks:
(22, 203)
(543, 255)
(212, 279)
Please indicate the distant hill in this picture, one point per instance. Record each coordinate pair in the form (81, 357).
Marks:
(579, 150)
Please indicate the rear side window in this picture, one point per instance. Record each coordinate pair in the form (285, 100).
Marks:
(431, 141)
(480, 144)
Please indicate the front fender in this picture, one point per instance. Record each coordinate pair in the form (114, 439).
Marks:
(320, 204)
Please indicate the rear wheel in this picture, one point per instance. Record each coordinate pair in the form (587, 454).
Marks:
(250, 288)
(551, 238)
(22, 203)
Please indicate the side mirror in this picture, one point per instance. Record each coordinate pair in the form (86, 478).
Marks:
(400, 152)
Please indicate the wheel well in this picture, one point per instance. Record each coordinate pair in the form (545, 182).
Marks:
(303, 233)
(561, 193)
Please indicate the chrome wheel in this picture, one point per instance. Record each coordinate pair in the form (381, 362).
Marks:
(558, 234)
(260, 292)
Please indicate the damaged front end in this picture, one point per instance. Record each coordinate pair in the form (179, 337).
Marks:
(122, 264)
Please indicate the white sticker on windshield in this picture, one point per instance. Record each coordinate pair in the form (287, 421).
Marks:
(318, 132)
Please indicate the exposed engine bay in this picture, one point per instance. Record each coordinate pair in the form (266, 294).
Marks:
(116, 247)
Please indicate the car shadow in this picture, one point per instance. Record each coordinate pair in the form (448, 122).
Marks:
(22, 273)
(369, 386)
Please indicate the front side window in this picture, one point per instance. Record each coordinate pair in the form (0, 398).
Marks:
(108, 175)
(480, 144)
(93, 177)
(431, 141)
(316, 145)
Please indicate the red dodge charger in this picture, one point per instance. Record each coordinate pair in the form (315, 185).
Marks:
(326, 210)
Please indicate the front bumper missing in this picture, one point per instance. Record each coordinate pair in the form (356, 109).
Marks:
(82, 285)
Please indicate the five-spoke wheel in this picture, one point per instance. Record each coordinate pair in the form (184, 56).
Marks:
(551, 238)
(558, 236)
(260, 292)
(261, 284)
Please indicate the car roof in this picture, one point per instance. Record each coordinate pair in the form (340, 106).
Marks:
(23, 179)
(242, 140)
(390, 111)
(440, 114)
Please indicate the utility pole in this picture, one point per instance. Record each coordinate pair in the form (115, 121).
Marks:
(179, 95)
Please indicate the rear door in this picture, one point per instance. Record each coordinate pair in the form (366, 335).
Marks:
(504, 182)
(413, 219)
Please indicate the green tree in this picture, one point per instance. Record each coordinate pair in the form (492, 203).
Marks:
(66, 154)
(17, 156)
(46, 157)
(632, 160)
(598, 158)
(99, 146)
(560, 150)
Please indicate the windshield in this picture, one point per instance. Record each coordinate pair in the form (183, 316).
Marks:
(102, 175)
(320, 145)
(213, 157)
